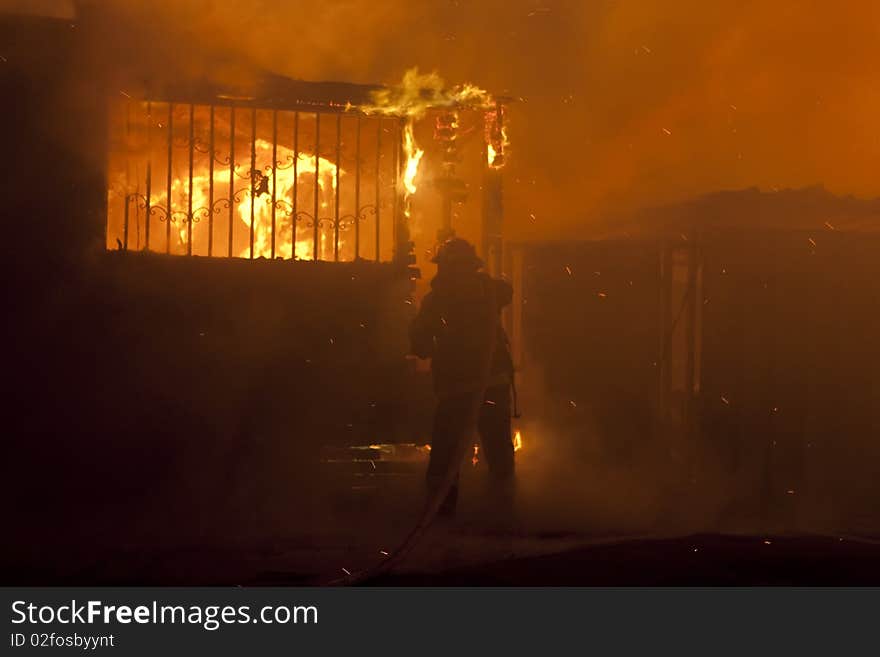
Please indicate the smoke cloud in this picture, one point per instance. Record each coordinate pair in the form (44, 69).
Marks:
(623, 104)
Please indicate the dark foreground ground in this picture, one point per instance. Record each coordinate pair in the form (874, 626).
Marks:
(574, 526)
(699, 560)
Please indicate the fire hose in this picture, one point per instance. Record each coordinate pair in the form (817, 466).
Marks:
(438, 495)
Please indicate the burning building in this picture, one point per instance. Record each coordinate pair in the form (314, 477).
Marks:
(296, 170)
(238, 254)
(213, 266)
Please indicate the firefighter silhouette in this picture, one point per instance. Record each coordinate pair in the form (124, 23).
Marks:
(451, 329)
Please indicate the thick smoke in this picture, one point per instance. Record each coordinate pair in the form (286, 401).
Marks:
(623, 104)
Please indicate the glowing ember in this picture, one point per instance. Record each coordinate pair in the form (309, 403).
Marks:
(476, 457)
(517, 441)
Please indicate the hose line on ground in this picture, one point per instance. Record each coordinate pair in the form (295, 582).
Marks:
(468, 429)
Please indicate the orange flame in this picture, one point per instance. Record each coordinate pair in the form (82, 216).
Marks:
(411, 99)
(496, 138)
(517, 441)
(284, 180)
(495, 158)
(413, 157)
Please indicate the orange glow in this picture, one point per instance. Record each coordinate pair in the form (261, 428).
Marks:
(411, 99)
(517, 441)
(262, 207)
(496, 138)
(413, 157)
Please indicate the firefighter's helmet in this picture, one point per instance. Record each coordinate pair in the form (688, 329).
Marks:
(457, 253)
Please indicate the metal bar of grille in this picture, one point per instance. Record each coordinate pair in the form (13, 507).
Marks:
(149, 190)
(395, 215)
(189, 213)
(127, 195)
(294, 218)
(211, 182)
(127, 201)
(357, 190)
(253, 173)
(336, 202)
(274, 174)
(317, 180)
(378, 186)
(168, 188)
(231, 175)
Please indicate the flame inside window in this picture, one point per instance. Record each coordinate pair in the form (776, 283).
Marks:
(247, 183)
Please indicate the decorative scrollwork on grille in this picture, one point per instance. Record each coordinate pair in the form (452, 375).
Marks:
(159, 211)
(240, 194)
(200, 213)
(285, 164)
(366, 211)
(200, 146)
(346, 221)
(216, 207)
(306, 218)
(179, 215)
(284, 206)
